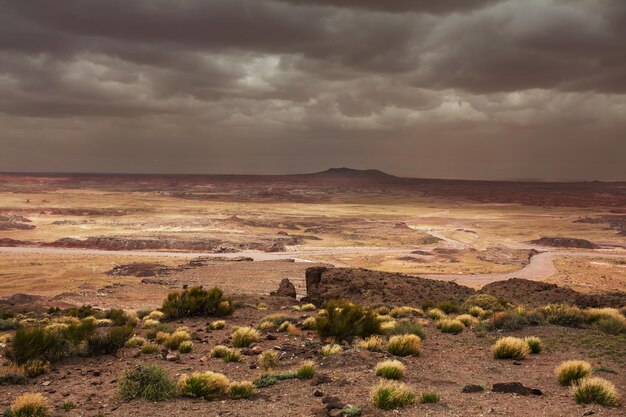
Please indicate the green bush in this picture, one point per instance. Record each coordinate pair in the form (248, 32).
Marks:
(36, 343)
(196, 301)
(508, 320)
(35, 367)
(611, 325)
(306, 370)
(148, 382)
(109, 340)
(13, 379)
(7, 324)
(81, 312)
(535, 344)
(345, 321)
(448, 307)
(185, 346)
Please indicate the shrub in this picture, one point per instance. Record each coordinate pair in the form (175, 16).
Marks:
(110, 340)
(154, 315)
(36, 343)
(307, 307)
(150, 348)
(135, 342)
(345, 320)
(148, 324)
(390, 369)
(508, 320)
(226, 354)
(36, 367)
(266, 325)
(308, 323)
(207, 385)
(448, 307)
(404, 345)
(436, 314)
(13, 378)
(430, 397)
(485, 302)
(405, 311)
(30, 405)
(7, 324)
(286, 326)
(571, 371)
(596, 390)
(237, 390)
(611, 325)
(245, 336)
(185, 346)
(404, 326)
(217, 324)
(373, 343)
(389, 395)
(468, 320)
(564, 315)
(264, 380)
(476, 311)
(122, 317)
(534, 344)
(510, 348)
(329, 350)
(196, 301)
(162, 337)
(268, 360)
(148, 382)
(306, 370)
(176, 338)
(452, 326)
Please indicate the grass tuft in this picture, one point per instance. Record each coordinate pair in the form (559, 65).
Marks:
(569, 372)
(206, 385)
(392, 369)
(452, 326)
(151, 383)
(30, 405)
(245, 336)
(239, 390)
(534, 344)
(597, 391)
(404, 345)
(389, 395)
(510, 348)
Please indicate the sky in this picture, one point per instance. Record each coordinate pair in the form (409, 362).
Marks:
(481, 89)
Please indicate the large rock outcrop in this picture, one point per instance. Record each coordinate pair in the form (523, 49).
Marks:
(374, 287)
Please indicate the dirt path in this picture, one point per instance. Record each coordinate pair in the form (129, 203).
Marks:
(540, 267)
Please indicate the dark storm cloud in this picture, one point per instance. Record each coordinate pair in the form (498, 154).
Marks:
(192, 78)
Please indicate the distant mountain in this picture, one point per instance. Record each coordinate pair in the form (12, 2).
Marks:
(344, 172)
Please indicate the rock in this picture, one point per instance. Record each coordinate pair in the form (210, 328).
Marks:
(46, 383)
(588, 413)
(335, 412)
(320, 379)
(515, 388)
(318, 393)
(285, 289)
(271, 337)
(468, 389)
(256, 350)
(172, 357)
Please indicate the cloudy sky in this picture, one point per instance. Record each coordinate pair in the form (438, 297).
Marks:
(449, 88)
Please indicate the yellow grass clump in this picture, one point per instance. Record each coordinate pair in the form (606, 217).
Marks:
(329, 350)
(207, 385)
(569, 372)
(30, 405)
(405, 345)
(389, 395)
(392, 369)
(596, 390)
(373, 343)
(468, 320)
(245, 336)
(452, 326)
(510, 348)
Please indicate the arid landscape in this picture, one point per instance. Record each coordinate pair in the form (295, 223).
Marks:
(275, 244)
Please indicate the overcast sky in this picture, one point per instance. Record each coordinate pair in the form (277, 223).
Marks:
(448, 88)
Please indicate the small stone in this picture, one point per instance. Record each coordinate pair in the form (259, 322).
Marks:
(468, 389)
(588, 413)
(46, 383)
(172, 357)
(270, 337)
(318, 393)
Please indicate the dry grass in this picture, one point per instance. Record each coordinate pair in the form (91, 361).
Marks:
(329, 350)
(30, 405)
(534, 344)
(245, 336)
(392, 369)
(206, 385)
(389, 395)
(569, 372)
(225, 353)
(239, 390)
(452, 326)
(373, 344)
(593, 390)
(510, 348)
(468, 320)
(405, 345)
